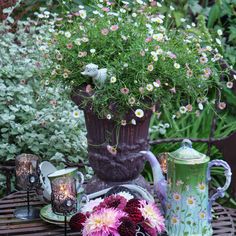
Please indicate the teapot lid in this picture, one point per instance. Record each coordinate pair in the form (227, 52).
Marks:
(186, 154)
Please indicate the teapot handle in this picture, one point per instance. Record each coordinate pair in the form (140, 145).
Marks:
(220, 190)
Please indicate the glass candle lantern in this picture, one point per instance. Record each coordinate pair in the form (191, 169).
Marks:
(64, 201)
(27, 171)
(64, 193)
(27, 178)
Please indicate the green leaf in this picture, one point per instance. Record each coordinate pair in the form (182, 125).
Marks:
(7, 10)
(178, 15)
(213, 15)
(10, 20)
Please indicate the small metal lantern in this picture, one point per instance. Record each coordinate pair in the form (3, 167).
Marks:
(27, 178)
(64, 201)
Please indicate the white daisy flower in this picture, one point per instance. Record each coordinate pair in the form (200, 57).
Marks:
(182, 109)
(108, 116)
(131, 101)
(159, 51)
(157, 85)
(219, 32)
(139, 113)
(150, 67)
(77, 42)
(176, 65)
(158, 37)
(68, 34)
(76, 114)
(113, 79)
(83, 14)
(149, 87)
(123, 122)
(65, 75)
(92, 50)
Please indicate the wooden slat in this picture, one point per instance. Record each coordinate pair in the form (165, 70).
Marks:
(5, 216)
(18, 204)
(19, 200)
(15, 220)
(27, 230)
(30, 224)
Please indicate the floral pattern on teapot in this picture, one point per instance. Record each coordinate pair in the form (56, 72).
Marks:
(186, 209)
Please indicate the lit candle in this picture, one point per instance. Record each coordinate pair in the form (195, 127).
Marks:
(64, 195)
(27, 166)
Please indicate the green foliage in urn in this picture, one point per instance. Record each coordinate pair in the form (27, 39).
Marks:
(146, 61)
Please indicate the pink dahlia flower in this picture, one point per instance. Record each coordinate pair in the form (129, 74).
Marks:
(104, 222)
(113, 201)
(152, 216)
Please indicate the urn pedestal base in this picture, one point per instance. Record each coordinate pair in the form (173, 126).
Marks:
(96, 184)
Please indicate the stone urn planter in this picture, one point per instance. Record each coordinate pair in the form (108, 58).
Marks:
(126, 164)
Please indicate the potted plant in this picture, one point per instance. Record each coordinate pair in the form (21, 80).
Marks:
(121, 61)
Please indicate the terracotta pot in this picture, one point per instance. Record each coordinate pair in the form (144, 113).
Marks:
(126, 165)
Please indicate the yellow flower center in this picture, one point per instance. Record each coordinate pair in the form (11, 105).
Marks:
(174, 220)
(190, 201)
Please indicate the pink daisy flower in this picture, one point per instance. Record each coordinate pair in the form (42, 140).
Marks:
(222, 105)
(124, 90)
(203, 60)
(69, 45)
(114, 27)
(106, 9)
(189, 107)
(105, 31)
(104, 222)
(207, 72)
(171, 55)
(88, 88)
(148, 39)
(229, 84)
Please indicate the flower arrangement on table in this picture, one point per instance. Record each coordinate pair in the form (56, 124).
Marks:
(143, 61)
(118, 214)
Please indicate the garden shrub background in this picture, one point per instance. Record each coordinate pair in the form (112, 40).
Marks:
(36, 117)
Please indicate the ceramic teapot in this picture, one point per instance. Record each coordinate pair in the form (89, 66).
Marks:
(184, 195)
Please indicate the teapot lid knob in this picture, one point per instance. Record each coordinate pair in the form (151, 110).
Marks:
(186, 143)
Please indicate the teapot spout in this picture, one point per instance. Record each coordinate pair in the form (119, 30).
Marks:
(160, 183)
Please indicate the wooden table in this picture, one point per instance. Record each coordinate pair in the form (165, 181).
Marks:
(224, 223)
